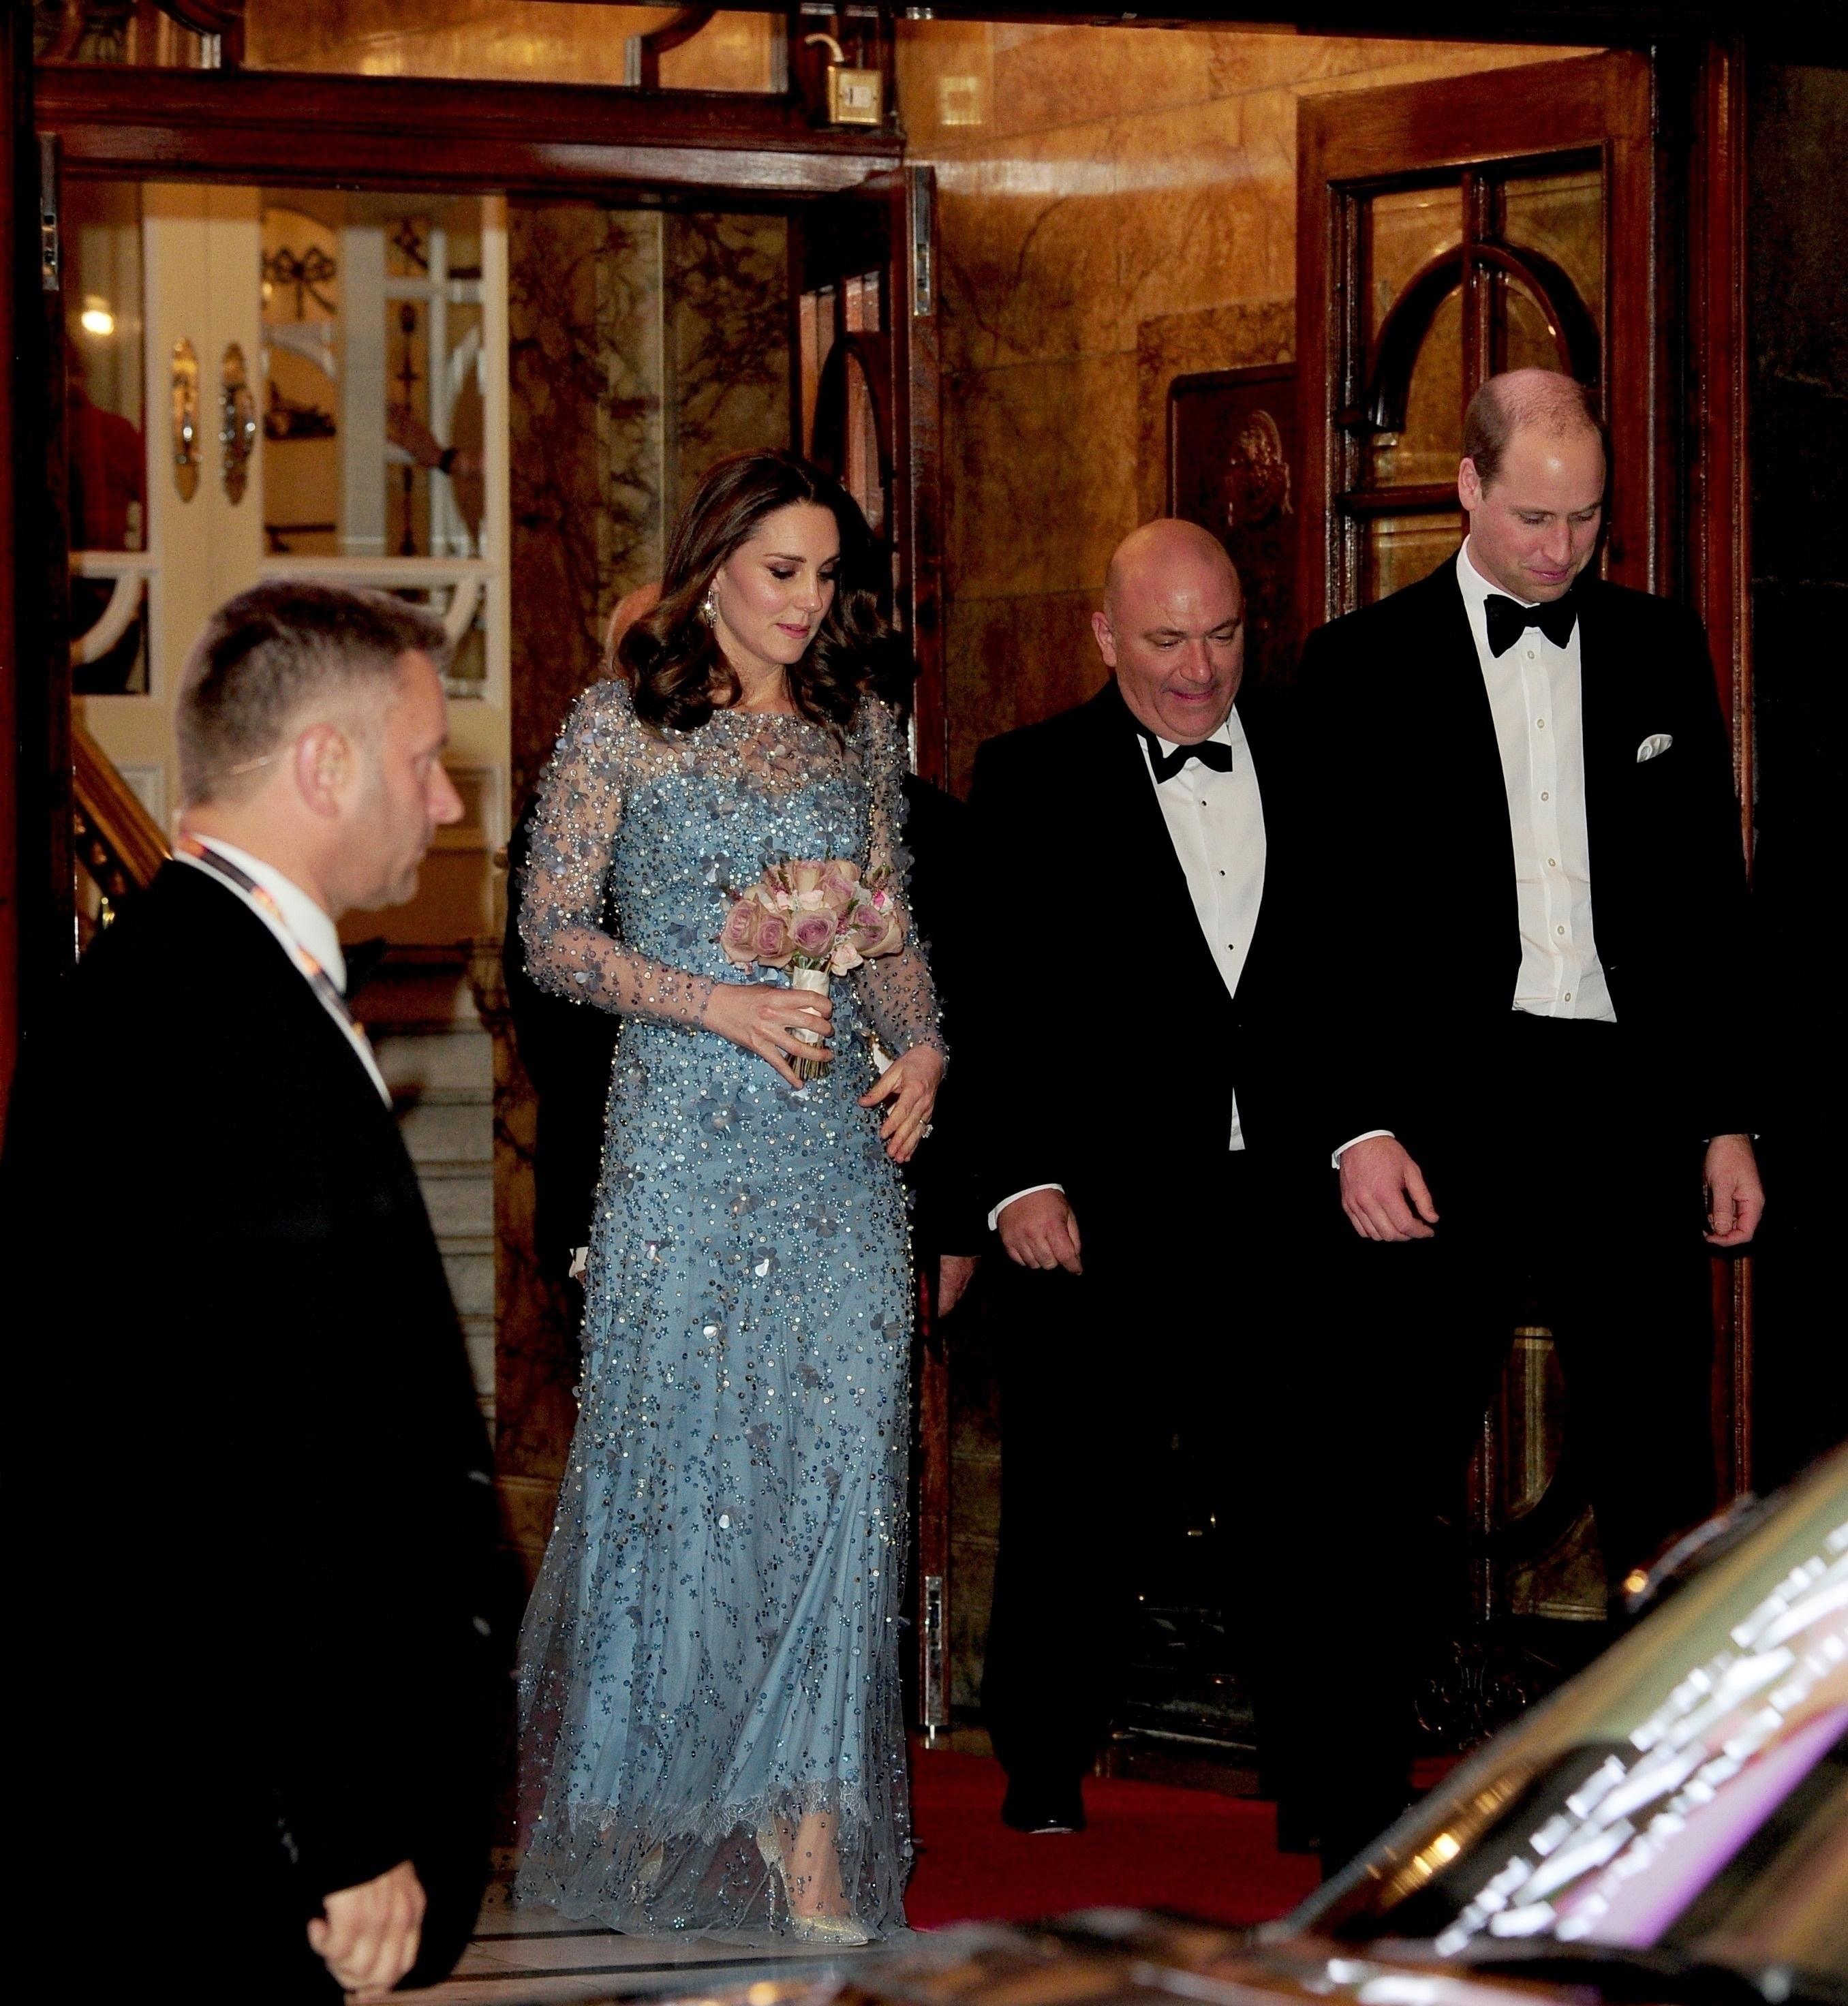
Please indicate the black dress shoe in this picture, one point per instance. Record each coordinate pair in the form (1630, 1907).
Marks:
(1043, 1808)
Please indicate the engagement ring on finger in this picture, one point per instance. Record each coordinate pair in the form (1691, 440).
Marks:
(925, 1130)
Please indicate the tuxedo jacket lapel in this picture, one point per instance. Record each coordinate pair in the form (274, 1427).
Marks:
(1149, 870)
(1604, 723)
(1464, 724)
(1274, 786)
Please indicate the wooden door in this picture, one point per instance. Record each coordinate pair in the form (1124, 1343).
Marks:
(866, 354)
(1448, 230)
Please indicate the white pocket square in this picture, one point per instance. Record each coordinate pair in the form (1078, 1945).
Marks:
(1657, 742)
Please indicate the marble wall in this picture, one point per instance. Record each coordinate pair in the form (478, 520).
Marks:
(1117, 207)
(643, 346)
(727, 342)
(586, 371)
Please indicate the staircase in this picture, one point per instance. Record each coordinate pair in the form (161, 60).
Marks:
(438, 1058)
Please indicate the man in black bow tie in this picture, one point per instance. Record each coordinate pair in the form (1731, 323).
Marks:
(1131, 1099)
(1525, 895)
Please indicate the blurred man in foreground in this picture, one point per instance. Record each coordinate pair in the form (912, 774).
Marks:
(268, 1662)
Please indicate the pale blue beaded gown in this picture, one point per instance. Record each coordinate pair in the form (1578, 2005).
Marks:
(711, 1650)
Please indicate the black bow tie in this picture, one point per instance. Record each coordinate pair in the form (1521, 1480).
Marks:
(1213, 752)
(1508, 620)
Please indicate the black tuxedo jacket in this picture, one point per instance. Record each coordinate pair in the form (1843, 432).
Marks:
(1087, 901)
(267, 1521)
(1412, 938)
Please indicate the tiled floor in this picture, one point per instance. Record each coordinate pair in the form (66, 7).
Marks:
(523, 1955)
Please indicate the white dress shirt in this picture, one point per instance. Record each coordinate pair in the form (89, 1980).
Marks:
(1534, 698)
(1216, 822)
(303, 926)
(1533, 692)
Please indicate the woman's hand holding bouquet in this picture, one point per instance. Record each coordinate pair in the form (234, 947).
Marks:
(819, 919)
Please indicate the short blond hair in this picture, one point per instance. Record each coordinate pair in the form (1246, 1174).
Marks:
(272, 650)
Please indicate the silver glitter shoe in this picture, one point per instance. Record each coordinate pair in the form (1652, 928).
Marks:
(844, 1932)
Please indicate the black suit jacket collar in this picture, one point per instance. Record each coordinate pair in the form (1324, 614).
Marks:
(1122, 771)
(232, 947)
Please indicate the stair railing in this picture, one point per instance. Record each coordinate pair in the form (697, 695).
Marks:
(118, 844)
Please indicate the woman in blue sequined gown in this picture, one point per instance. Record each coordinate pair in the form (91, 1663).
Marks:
(711, 1734)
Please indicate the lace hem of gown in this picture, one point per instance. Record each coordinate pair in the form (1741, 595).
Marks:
(720, 1881)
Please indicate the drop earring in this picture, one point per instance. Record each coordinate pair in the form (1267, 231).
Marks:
(709, 608)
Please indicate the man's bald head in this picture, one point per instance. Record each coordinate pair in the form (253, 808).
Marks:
(1173, 628)
(1164, 549)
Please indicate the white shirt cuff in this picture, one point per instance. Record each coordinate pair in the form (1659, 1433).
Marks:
(1367, 1136)
(1026, 1191)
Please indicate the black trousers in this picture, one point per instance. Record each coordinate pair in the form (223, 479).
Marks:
(1171, 1329)
(1559, 1183)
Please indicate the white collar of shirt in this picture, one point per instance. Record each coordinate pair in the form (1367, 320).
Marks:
(308, 923)
(301, 928)
(1478, 590)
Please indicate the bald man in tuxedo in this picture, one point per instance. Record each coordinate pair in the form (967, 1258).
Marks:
(1137, 1114)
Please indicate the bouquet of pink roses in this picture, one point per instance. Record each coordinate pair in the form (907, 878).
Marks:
(817, 920)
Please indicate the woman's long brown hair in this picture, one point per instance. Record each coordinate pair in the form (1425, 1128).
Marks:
(672, 657)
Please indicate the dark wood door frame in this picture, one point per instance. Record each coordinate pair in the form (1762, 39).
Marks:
(36, 904)
(1716, 573)
(413, 132)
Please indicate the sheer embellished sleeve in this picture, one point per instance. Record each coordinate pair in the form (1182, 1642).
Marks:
(896, 988)
(570, 948)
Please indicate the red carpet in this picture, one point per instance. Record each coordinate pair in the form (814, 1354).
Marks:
(1146, 1845)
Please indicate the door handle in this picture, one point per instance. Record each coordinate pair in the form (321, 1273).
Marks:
(237, 424)
(185, 419)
